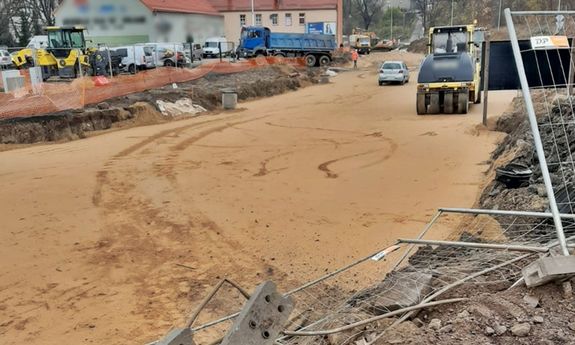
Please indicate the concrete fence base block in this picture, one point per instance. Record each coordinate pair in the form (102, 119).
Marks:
(261, 319)
(549, 269)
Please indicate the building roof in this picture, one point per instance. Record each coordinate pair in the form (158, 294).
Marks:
(271, 5)
(182, 6)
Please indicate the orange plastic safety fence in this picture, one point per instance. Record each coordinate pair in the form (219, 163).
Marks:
(64, 95)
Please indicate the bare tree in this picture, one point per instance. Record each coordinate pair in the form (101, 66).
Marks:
(43, 9)
(368, 10)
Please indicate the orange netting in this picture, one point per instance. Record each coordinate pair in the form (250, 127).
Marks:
(59, 96)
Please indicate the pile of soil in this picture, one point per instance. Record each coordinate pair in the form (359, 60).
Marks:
(141, 108)
(518, 147)
(418, 46)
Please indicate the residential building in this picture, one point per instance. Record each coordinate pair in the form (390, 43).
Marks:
(119, 23)
(297, 16)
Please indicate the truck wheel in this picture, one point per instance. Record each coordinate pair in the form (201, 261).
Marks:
(280, 55)
(324, 60)
(260, 55)
(310, 60)
(448, 103)
(433, 103)
(463, 102)
(132, 69)
(421, 107)
(167, 63)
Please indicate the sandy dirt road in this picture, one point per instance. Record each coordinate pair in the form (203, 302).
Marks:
(285, 188)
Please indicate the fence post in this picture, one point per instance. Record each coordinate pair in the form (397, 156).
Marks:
(220, 50)
(79, 64)
(486, 56)
(535, 130)
(176, 54)
(192, 52)
(110, 61)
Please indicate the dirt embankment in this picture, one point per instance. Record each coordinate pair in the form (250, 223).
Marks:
(418, 46)
(494, 313)
(142, 109)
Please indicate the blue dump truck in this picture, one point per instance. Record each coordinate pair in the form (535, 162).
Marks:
(257, 41)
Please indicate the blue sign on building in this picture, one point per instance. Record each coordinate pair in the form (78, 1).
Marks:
(314, 28)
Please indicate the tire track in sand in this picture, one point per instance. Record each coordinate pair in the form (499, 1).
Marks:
(325, 166)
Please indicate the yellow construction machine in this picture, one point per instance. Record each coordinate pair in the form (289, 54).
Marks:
(65, 56)
(450, 75)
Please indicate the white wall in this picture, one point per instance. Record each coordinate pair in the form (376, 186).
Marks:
(187, 26)
(233, 26)
(109, 21)
(129, 21)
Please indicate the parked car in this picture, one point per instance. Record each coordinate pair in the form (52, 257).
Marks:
(5, 59)
(165, 54)
(197, 51)
(213, 45)
(393, 72)
(137, 57)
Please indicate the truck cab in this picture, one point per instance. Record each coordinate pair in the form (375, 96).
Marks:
(254, 41)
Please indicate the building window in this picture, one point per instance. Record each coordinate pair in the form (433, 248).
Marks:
(274, 18)
(288, 19)
(302, 19)
(242, 20)
(258, 19)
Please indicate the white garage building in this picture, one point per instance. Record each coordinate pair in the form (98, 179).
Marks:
(123, 22)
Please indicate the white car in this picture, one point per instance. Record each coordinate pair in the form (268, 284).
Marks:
(393, 72)
(5, 59)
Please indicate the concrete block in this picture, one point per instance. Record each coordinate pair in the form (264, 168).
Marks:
(262, 319)
(547, 269)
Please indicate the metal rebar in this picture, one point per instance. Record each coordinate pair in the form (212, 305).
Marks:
(372, 319)
(211, 295)
(535, 130)
(540, 13)
(421, 234)
(461, 281)
(511, 247)
(305, 286)
(505, 213)
(451, 286)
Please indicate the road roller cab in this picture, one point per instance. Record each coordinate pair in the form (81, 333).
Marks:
(449, 77)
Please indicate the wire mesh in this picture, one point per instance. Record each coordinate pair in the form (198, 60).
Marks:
(551, 89)
(371, 288)
(75, 94)
(428, 270)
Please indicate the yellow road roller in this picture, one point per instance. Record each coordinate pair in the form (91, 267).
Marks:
(450, 75)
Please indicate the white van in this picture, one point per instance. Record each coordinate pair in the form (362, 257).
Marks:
(137, 57)
(213, 44)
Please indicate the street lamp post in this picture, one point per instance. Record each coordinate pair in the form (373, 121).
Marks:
(391, 26)
(499, 17)
(451, 22)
